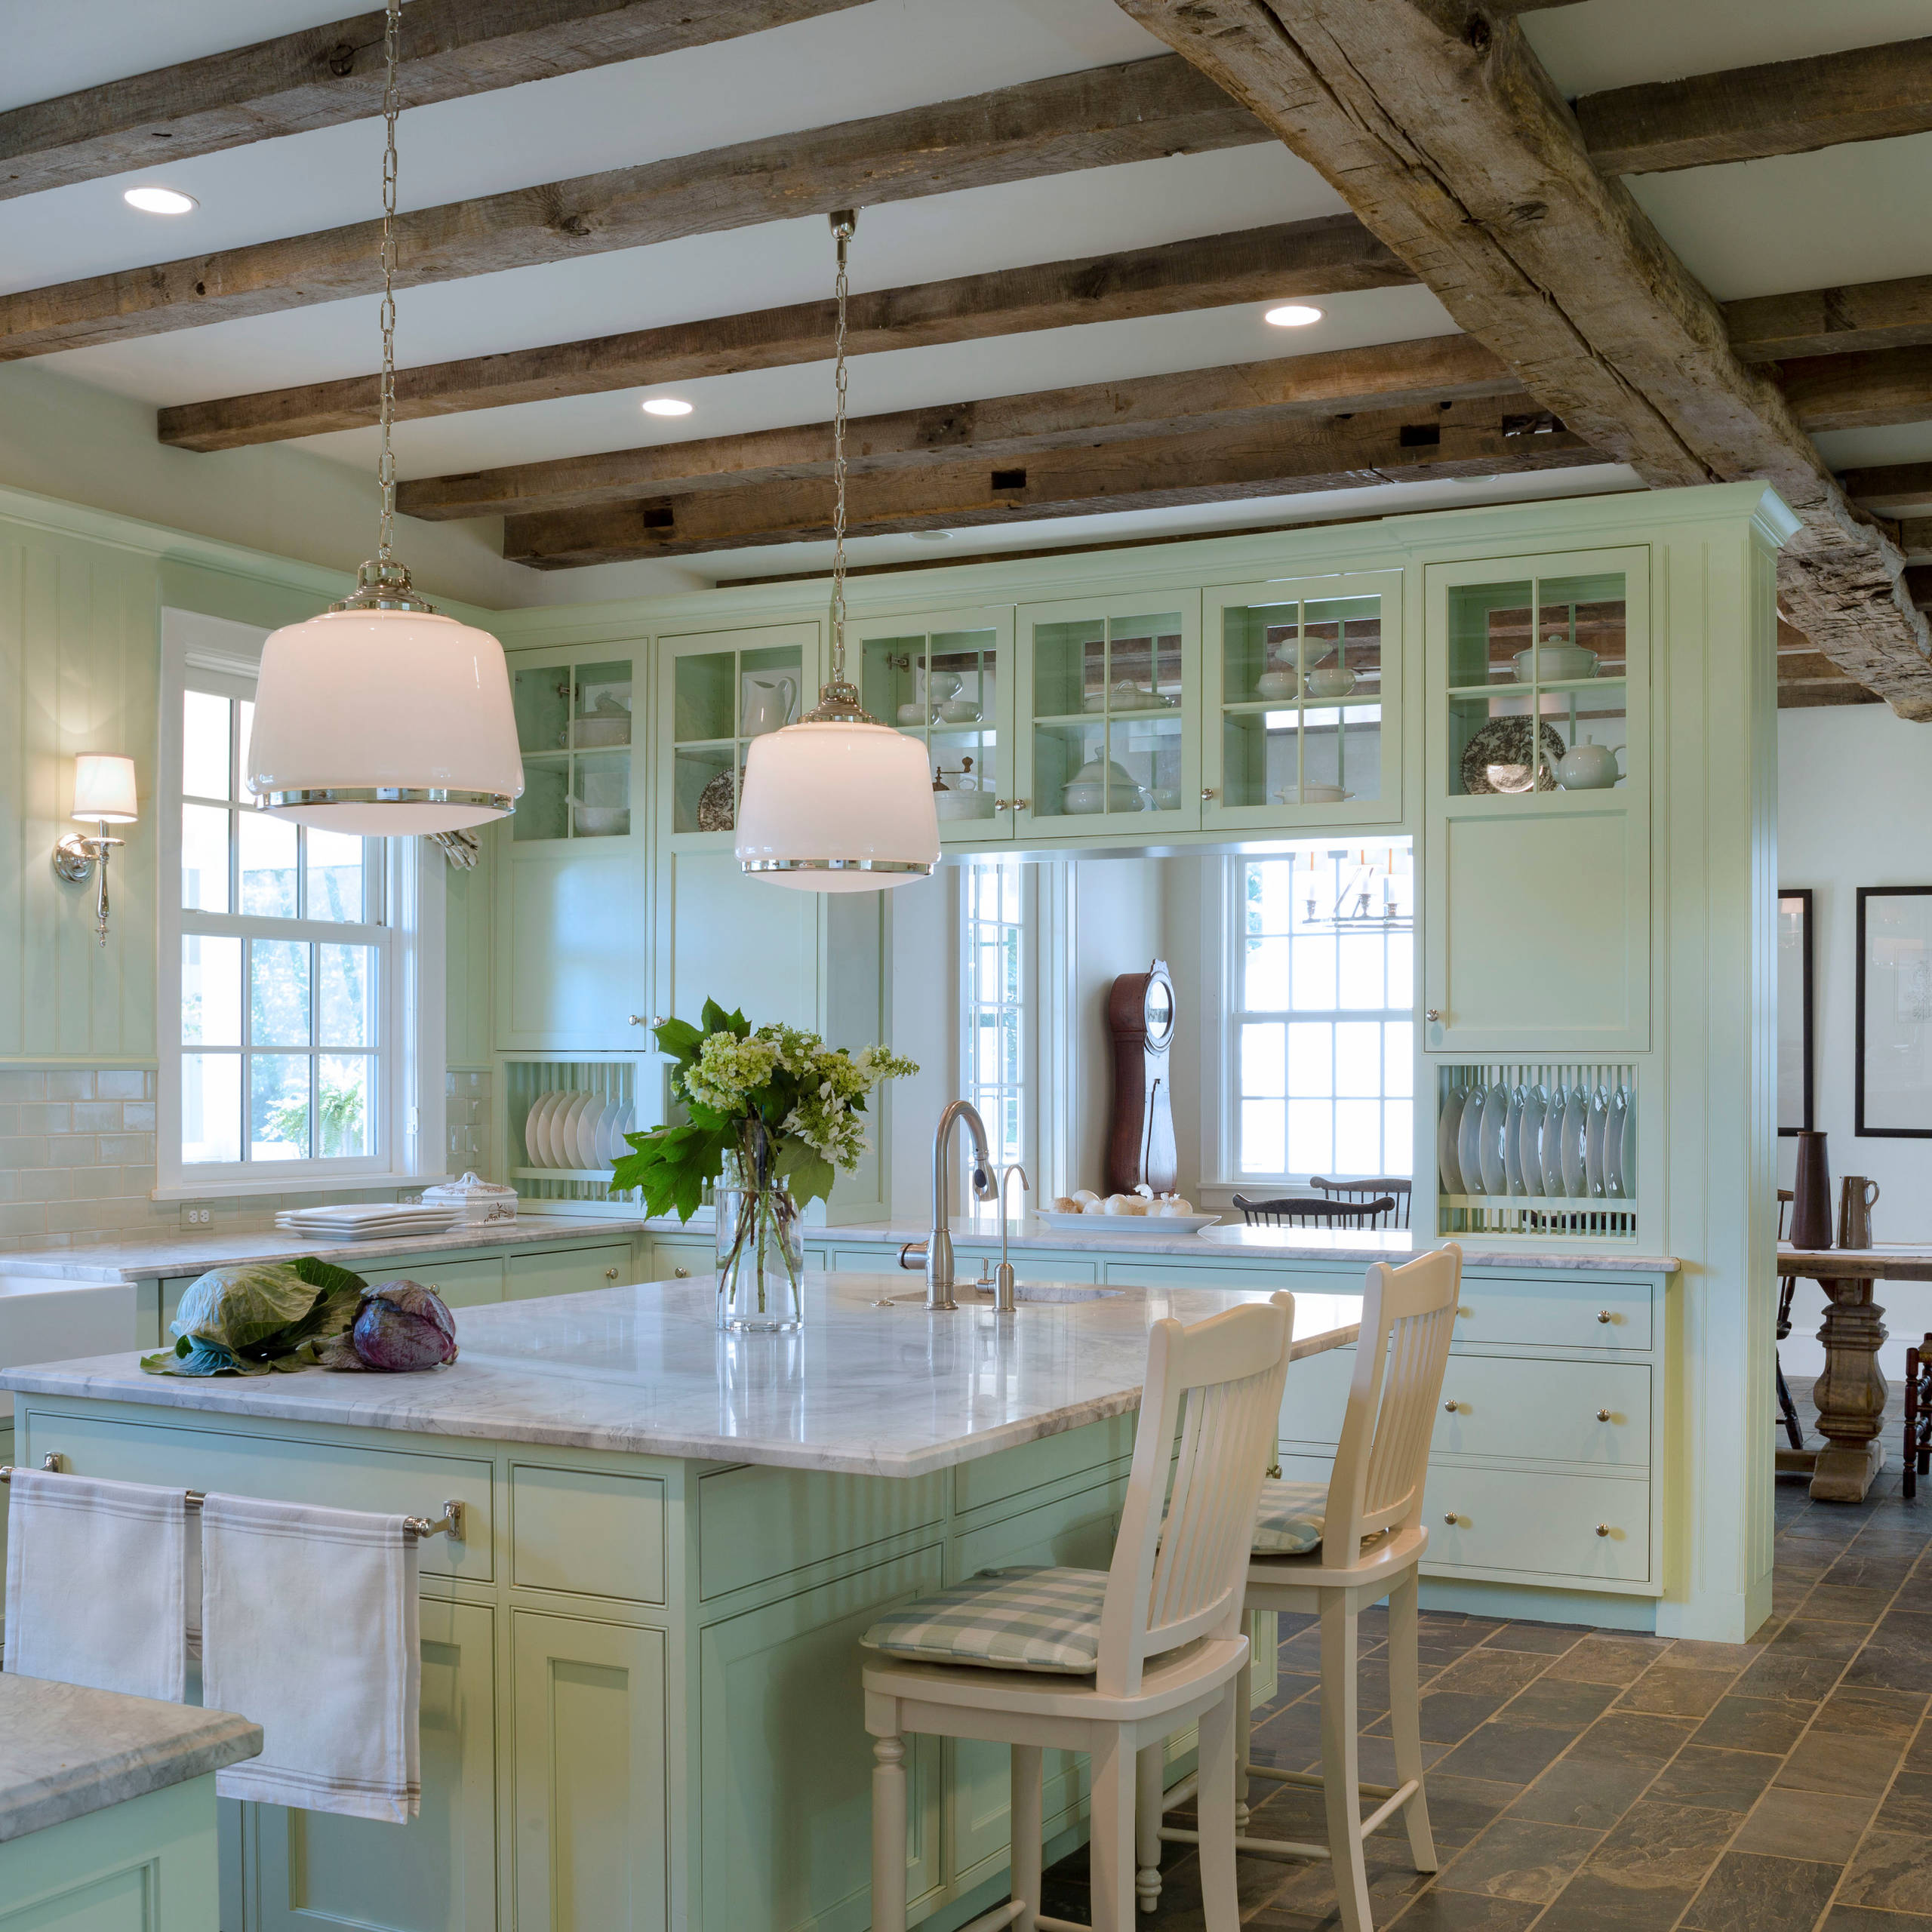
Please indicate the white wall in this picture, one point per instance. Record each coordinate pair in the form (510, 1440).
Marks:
(1855, 808)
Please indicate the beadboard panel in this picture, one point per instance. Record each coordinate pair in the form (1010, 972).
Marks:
(79, 671)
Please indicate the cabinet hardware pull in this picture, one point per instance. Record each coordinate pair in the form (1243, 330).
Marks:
(1450, 1407)
(1011, 805)
(1452, 1519)
(1603, 1529)
(637, 1019)
(1604, 1316)
(1463, 1314)
(1434, 1013)
(681, 1274)
(1603, 1415)
(610, 1274)
(1206, 792)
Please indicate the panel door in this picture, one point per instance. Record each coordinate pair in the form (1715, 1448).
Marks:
(1301, 707)
(1538, 860)
(588, 1772)
(945, 678)
(438, 1872)
(572, 1272)
(1106, 736)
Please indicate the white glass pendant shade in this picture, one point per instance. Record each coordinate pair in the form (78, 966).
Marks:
(838, 807)
(376, 722)
(104, 789)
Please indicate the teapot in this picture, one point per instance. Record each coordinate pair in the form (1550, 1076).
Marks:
(769, 702)
(1586, 767)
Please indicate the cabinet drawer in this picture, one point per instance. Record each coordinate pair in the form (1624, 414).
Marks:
(461, 1283)
(680, 1261)
(1014, 1472)
(587, 1532)
(1315, 1397)
(1552, 1411)
(389, 1481)
(1547, 1315)
(572, 1271)
(1538, 1525)
(756, 1523)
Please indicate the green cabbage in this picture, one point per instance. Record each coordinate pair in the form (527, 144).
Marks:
(253, 1317)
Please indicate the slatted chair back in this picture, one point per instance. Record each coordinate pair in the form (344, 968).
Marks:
(1311, 1210)
(1180, 1559)
(1397, 1190)
(1785, 1197)
(1407, 1318)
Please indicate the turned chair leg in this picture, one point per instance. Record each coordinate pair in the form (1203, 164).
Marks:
(889, 1835)
(1214, 1801)
(1244, 1723)
(1110, 1850)
(1909, 1486)
(1341, 1767)
(1405, 1710)
(1787, 1412)
(1028, 1834)
(1150, 1797)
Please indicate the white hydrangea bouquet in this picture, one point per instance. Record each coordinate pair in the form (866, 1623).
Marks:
(774, 1114)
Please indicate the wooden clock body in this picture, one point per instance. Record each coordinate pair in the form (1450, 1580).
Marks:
(1140, 1134)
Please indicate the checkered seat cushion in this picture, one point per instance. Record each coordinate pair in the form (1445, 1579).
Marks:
(1034, 1619)
(1288, 1520)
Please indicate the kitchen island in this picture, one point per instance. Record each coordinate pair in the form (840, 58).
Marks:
(640, 1694)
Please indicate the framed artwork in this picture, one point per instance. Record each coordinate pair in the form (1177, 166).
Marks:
(1794, 1020)
(1894, 1044)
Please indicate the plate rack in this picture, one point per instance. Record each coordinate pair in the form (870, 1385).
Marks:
(1538, 1147)
(525, 1082)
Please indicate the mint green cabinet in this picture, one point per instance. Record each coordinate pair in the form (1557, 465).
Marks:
(438, 1873)
(147, 1865)
(589, 1789)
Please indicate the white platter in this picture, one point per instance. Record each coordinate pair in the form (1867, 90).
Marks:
(563, 1130)
(1125, 1224)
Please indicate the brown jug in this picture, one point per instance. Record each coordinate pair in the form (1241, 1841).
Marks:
(1811, 1193)
(1857, 1197)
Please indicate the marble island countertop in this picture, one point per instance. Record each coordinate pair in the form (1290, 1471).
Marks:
(872, 1386)
(66, 1751)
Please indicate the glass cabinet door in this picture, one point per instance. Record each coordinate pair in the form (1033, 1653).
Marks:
(943, 677)
(1113, 686)
(574, 729)
(718, 692)
(1304, 691)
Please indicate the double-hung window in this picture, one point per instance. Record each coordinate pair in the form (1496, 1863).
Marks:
(290, 1051)
(1319, 1065)
(998, 1053)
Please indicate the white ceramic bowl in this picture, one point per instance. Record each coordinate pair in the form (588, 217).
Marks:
(959, 711)
(1276, 684)
(1560, 662)
(1083, 796)
(1331, 681)
(914, 715)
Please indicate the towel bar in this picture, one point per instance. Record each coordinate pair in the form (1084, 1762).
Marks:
(449, 1523)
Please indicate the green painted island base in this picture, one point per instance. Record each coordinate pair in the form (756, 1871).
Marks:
(641, 1707)
(145, 1866)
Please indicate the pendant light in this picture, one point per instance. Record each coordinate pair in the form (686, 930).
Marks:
(381, 715)
(837, 802)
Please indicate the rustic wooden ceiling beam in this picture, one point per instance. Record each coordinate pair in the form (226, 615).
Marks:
(1443, 131)
(1882, 387)
(1419, 376)
(1915, 538)
(1892, 489)
(1865, 93)
(1328, 255)
(326, 75)
(1138, 110)
(1833, 322)
(1210, 465)
(1814, 697)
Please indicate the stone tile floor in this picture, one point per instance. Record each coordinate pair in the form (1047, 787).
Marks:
(1592, 1781)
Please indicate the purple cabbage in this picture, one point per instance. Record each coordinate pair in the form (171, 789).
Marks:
(402, 1325)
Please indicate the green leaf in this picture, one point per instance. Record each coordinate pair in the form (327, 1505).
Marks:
(679, 1038)
(672, 1165)
(803, 1170)
(715, 1019)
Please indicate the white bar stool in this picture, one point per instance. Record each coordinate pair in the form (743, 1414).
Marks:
(1337, 1550)
(1103, 1661)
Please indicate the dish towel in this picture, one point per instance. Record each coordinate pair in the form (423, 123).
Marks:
(310, 1626)
(97, 1583)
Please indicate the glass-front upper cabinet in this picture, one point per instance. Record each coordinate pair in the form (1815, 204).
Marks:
(1302, 708)
(717, 692)
(943, 677)
(1113, 686)
(574, 729)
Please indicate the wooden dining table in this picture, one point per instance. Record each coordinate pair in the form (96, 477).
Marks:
(1851, 1393)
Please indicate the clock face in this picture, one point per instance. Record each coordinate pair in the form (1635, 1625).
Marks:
(1159, 1010)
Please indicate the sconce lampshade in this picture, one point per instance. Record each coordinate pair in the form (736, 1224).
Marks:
(104, 789)
(837, 808)
(379, 721)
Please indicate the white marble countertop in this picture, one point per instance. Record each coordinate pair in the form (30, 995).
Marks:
(865, 1389)
(1356, 1247)
(193, 1253)
(66, 1751)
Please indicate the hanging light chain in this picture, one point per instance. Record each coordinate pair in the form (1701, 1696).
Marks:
(391, 107)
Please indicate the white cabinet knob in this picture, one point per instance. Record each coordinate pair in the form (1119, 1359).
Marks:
(637, 1019)
(1011, 805)
(1434, 1013)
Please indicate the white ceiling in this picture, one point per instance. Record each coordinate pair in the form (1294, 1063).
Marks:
(1803, 221)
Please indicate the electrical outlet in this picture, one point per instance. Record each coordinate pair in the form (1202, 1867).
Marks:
(197, 1214)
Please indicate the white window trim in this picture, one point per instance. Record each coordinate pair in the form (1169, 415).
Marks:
(411, 1084)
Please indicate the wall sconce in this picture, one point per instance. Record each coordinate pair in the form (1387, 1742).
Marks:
(103, 792)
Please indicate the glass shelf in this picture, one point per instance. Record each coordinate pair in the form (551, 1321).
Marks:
(574, 729)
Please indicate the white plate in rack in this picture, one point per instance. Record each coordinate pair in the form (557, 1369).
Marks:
(536, 1132)
(590, 1132)
(1124, 1224)
(1446, 1130)
(563, 1134)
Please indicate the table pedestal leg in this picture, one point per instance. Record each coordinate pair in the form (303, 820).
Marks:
(1850, 1395)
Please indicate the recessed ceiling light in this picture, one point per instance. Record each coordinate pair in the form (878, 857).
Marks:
(1293, 316)
(666, 405)
(159, 200)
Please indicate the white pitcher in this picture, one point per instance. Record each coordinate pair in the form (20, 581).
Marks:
(769, 700)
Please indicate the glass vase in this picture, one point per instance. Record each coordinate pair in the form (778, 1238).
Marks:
(761, 1243)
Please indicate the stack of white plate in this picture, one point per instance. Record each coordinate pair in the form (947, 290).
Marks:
(365, 1220)
(584, 1131)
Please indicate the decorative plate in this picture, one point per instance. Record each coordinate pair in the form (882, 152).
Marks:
(717, 807)
(1497, 758)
